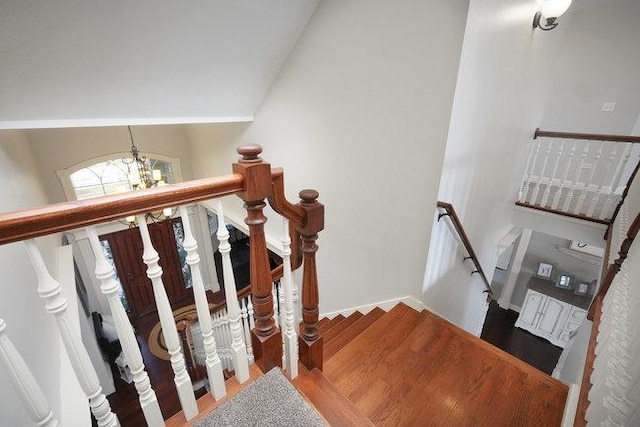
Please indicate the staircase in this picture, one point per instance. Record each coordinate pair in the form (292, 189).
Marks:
(405, 367)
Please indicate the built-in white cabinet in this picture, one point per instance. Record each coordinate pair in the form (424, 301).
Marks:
(549, 318)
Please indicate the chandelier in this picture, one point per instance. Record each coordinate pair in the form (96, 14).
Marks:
(141, 175)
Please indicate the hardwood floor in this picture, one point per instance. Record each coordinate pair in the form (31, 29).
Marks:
(411, 368)
(500, 331)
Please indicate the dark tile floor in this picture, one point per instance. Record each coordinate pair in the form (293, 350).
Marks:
(499, 330)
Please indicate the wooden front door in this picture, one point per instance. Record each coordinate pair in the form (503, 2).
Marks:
(126, 247)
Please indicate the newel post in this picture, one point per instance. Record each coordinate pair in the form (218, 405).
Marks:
(265, 337)
(310, 342)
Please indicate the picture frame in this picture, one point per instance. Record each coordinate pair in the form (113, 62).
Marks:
(582, 288)
(565, 281)
(545, 270)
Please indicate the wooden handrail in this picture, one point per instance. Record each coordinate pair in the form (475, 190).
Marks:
(36, 222)
(586, 136)
(276, 274)
(451, 213)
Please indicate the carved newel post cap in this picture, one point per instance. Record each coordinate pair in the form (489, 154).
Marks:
(309, 196)
(250, 153)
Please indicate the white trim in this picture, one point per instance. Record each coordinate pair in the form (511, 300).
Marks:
(81, 123)
(64, 175)
(571, 406)
(432, 310)
(385, 305)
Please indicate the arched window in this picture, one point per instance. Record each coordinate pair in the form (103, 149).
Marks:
(110, 175)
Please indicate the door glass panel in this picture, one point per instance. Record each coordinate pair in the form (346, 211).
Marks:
(106, 250)
(178, 233)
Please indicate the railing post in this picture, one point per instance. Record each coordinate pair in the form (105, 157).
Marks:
(214, 366)
(55, 304)
(24, 384)
(181, 377)
(265, 337)
(109, 288)
(238, 349)
(310, 342)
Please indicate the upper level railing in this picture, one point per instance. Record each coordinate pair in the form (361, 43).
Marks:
(255, 182)
(610, 393)
(578, 175)
(457, 224)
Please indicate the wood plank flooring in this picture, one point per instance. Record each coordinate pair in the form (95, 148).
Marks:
(410, 368)
(500, 331)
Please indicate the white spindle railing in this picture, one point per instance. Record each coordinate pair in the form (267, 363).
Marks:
(55, 304)
(182, 380)
(615, 179)
(589, 181)
(24, 383)
(212, 363)
(109, 288)
(586, 185)
(238, 348)
(289, 335)
(246, 326)
(547, 191)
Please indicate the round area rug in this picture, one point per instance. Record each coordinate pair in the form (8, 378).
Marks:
(156, 342)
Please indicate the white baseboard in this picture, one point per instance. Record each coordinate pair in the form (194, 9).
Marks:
(571, 406)
(385, 305)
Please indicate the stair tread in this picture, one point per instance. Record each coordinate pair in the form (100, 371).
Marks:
(340, 327)
(388, 369)
(330, 324)
(334, 407)
(207, 403)
(349, 334)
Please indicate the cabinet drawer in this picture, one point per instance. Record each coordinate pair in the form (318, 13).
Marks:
(578, 314)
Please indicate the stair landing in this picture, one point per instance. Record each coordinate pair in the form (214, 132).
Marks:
(411, 368)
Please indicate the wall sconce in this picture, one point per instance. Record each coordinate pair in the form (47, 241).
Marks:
(549, 12)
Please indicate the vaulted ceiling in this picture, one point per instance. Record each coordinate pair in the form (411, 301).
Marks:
(142, 60)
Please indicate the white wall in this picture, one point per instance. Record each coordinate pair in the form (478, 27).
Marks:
(599, 63)
(151, 59)
(57, 149)
(32, 331)
(360, 112)
(500, 95)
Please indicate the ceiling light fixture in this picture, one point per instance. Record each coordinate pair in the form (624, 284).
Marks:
(546, 18)
(142, 177)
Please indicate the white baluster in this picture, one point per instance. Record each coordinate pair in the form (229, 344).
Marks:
(565, 175)
(572, 190)
(276, 305)
(615, 181)
(536, 191)
(109, 288)
(289, 335)
(252, 320)
(24, 384)
(526, 181)
(547, 191)
(281, 310)
(55, 304)
(247, 330)
(181, 377)
(213, 364)
(238, 349)
(589, 181)
(606, 174)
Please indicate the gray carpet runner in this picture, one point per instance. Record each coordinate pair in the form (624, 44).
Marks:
(269, 401)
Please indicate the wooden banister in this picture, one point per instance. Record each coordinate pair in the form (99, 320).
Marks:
(457, 224)
(586, 136)
(37, 222)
